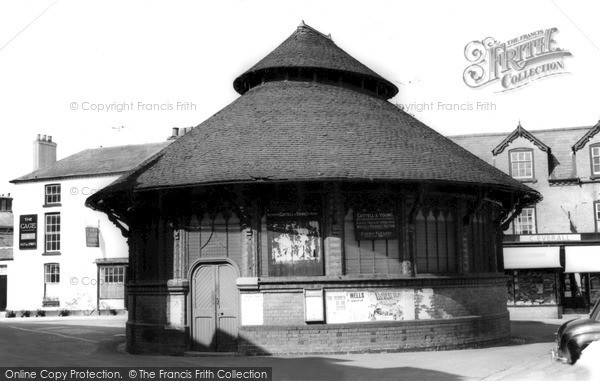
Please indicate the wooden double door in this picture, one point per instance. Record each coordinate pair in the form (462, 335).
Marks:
(3, 291)
(215, 308)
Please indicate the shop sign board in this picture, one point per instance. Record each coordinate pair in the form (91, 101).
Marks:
(375, 225)
(28, 232)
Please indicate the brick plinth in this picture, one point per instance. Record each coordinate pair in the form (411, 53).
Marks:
(454, 333)
(156, 339)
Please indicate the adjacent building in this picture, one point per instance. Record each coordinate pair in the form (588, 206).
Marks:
(66, 256)
(6, 244)
(552, 249)
(311, 215)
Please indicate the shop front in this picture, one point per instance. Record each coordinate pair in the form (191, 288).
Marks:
(533, 281)
(552, 280)
(580, 287)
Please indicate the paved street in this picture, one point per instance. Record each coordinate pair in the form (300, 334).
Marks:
(98, 341)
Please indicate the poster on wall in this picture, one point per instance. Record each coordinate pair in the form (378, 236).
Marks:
(365, 306)
(28, 232)
(313, 306)
(294, 236)
(375, 225)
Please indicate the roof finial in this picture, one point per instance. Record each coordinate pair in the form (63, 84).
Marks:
(305, 25)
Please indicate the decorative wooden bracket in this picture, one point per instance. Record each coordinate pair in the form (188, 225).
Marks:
(421, 192)
(510, 215)
(473, 207)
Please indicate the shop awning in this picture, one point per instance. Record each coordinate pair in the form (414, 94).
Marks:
(532, 257)
(582, 259)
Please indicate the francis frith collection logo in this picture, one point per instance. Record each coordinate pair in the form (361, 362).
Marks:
(515, 63)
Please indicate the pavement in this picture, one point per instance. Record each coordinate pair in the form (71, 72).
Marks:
(99, 341)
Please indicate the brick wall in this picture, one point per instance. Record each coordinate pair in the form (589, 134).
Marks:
(463, 332)
(283, 308)
(474, 297)
(578, 199)
(156, 339)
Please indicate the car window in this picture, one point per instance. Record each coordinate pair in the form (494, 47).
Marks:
(595, 315)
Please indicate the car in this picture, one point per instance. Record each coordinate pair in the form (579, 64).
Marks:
(575, 335)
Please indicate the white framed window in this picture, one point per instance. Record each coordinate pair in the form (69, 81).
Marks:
(52, 236)
(521, 164)
(112, 282)
(51, 273)
(52, 194)
(525, 222)
(51, 284)
(597, 210)
(595, 158)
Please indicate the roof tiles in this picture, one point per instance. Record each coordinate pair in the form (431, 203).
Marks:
(96, 161)
(560, 141)
(298, 131)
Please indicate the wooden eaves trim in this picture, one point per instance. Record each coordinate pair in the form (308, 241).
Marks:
(517, 133)
(586, 138)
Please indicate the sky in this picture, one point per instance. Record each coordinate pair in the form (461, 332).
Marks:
(106, 73)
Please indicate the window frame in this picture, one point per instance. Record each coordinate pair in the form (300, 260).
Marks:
(511, 162)
(592, 147)
(534, 224)
(111, 283)
(47, 234)
(48, 195)
(48, 273)
(90, 239)
(596, 215)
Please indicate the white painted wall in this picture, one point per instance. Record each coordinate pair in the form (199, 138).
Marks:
(78, 271)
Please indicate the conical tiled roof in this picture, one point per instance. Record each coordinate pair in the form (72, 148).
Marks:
(308, 49)
(286, 130)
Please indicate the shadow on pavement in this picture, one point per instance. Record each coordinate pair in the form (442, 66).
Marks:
(530, 332)
(330, 369)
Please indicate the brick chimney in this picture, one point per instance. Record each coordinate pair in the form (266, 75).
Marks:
(44, 152)
(179, 132)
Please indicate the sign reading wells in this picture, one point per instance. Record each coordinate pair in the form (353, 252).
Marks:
(378, 225)
(28, 231)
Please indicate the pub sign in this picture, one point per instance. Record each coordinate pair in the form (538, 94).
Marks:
(28, 231)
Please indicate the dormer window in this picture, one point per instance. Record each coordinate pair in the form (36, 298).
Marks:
(52, 194)
(521, 164)
(595, 158)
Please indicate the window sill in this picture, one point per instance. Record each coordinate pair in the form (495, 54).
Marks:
(527, 180)
(51, 253)
(51, 303)
(51, 205)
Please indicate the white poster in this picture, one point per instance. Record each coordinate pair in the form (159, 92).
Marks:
(365, 306)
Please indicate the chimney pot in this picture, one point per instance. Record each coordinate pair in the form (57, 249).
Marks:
(44, 152)
(175, 131)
